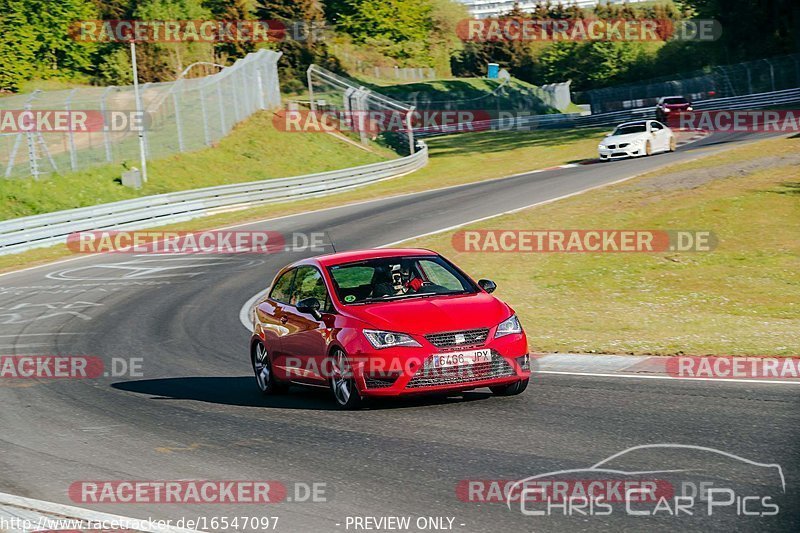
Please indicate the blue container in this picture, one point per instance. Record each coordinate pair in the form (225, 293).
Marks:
(493, 72)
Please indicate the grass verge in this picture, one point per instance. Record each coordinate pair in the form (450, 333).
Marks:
(466, 93)
(740, 299)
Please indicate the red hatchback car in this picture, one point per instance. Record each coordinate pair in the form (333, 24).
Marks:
(386, 323)
(671, 106)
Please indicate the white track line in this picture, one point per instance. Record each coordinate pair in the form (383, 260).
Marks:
(66, 512)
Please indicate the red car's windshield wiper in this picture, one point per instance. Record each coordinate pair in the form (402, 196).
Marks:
(415, 295)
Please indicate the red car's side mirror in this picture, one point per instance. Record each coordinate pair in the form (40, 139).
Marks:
(310, 306)
(487, 285)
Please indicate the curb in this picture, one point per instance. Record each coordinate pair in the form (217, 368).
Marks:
(630, 366)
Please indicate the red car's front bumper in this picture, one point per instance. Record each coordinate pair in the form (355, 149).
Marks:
(407, 370)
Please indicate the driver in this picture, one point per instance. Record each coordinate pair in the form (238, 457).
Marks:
(400, 280)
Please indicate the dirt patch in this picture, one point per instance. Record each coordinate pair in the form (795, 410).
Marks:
(691, 179)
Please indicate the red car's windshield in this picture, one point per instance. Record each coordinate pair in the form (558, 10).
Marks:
(397, 278)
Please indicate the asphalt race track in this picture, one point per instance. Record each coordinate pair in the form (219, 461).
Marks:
(195, 413)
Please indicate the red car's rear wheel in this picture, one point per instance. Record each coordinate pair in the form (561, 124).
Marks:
(262, 367)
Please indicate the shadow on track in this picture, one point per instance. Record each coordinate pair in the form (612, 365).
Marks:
(241, 391)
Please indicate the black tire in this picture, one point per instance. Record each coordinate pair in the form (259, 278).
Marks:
(342, 383)
(262, 368)
(515, 388)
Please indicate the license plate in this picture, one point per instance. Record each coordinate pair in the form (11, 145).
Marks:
(446, 360)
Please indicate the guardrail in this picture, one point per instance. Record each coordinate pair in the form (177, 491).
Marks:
(25, 233)
(575, 120)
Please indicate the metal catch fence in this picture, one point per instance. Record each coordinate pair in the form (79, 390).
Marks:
(725, 81)
(330, 92)
(184, 115)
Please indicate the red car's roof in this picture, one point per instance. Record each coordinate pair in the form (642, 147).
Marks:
(361, 255)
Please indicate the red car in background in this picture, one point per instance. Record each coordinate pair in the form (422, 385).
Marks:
(385, 322)
(671, 105)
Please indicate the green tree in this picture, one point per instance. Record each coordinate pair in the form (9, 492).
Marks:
(17, 48)
(232, 10)
(37, 41)
(305, 39)
(398, 28)
(751, 29)
(164, 61)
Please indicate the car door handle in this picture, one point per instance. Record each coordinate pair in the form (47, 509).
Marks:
(284, 320)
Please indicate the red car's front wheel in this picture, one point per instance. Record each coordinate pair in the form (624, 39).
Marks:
(511, 390)
(343, 384)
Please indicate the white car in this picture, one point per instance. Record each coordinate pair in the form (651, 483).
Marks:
(633, 139)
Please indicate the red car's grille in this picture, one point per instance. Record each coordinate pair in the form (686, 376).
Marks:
(379, 382)
(427, 376)
(458, 339)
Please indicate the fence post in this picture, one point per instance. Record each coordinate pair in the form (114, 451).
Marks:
(410, 129)
(260, 89)
(144, 130)
(221, 109)
(176, 104)
(32, 157)
(73, 156)
(106, 132)
(235, 94)
(309, 81)
(204, 113)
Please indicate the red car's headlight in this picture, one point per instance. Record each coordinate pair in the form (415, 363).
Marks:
(508, 326)
(388, 339)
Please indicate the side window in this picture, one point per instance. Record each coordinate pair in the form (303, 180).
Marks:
(282, 287)
(656, 126)
(309, 284)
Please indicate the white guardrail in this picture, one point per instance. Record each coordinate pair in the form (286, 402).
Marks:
(25, 233)
(575, 120)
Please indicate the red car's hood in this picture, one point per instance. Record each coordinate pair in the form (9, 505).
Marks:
(676, 107)
(434, 314)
